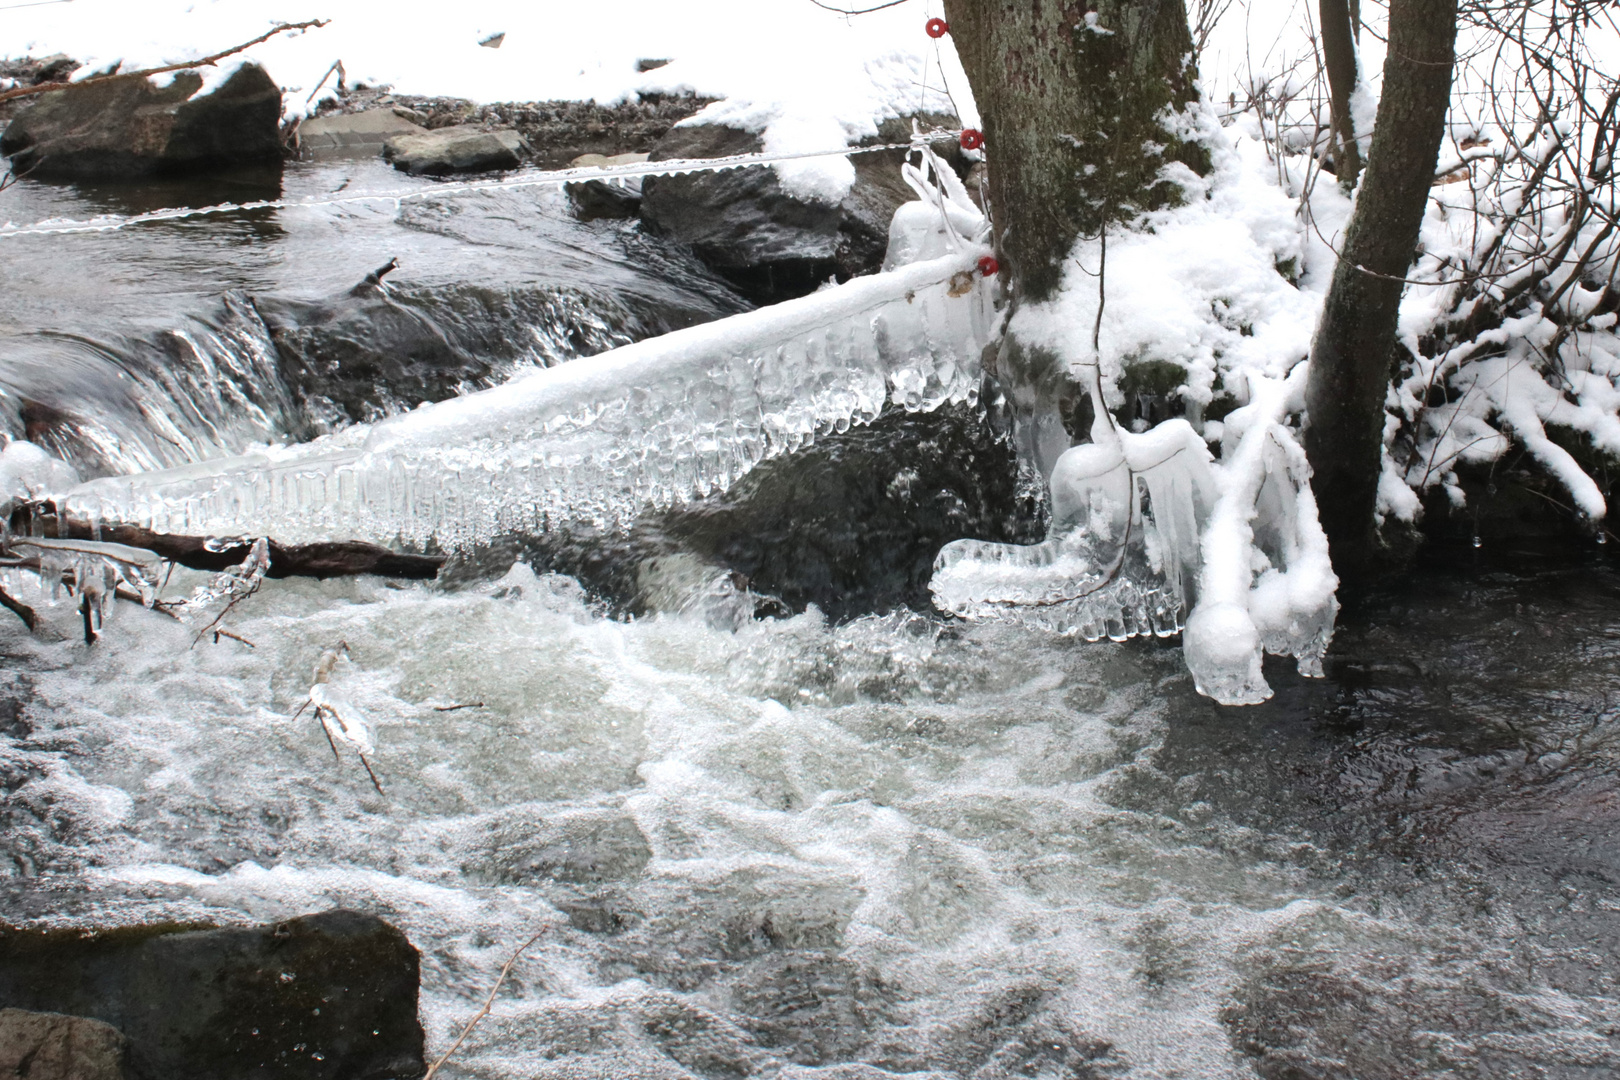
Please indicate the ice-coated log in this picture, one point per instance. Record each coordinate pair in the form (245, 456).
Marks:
(597, 440)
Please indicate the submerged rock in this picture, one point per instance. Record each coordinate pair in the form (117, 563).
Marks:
(455, 150)
(323, 996)
(51, 1046)
(770, 245)
(129, 128)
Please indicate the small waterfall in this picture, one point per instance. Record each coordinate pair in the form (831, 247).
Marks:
(204, 389)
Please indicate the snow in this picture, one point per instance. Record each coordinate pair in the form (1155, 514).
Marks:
(804, 78)
(1196, 286)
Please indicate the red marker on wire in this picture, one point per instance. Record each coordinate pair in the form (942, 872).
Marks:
(936, 28)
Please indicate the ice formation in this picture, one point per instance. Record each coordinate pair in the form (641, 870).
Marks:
(599, 440)
(1147, 527)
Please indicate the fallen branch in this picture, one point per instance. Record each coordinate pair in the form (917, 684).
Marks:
(146, 73)
(342, 558)
(506, 969)
(351, 726)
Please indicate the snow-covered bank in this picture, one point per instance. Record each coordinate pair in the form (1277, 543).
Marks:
(805, 78)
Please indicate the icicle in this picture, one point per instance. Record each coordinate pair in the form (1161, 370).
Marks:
(600, 439)
(1146, 527)
(1266, 583)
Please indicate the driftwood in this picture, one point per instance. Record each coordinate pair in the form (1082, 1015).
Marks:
(340, 558)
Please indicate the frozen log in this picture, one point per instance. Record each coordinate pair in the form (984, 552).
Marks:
(597, 440)
(322, 559)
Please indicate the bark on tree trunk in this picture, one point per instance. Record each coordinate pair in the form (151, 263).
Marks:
(1355, 340)
(1339, 27)
(1072, 105)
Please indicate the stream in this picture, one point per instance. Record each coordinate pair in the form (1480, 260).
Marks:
(775, 817)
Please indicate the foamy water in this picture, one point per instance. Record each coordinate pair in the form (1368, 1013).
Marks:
(887, 841)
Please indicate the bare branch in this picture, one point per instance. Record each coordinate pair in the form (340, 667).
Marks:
(842, 11)
(506, 969)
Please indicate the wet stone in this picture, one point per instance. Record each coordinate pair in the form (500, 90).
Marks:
(319, 997)
(51, 1046)
(131, 128)
(360, 134)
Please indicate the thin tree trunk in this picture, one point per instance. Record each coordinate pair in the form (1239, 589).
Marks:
(1355, 340)
(1340, 23)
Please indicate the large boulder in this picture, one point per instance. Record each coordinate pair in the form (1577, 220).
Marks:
(129, 127)
(770, 245)
(50, 1046)
(455, 150)
(322, 997)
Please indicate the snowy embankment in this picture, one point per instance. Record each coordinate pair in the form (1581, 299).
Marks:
(802, 77)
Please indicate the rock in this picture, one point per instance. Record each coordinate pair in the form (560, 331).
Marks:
(594, 199)
(455, 149)
(57, 68)
(767, 243)
(129, 127)
(335, 354)
(598, 199)
(319, 997)
(360, 134)
(606, 161)
(50, 1046)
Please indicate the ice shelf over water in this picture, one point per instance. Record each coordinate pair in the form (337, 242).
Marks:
(597, 440)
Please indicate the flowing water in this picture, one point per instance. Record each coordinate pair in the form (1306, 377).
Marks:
(883, 844)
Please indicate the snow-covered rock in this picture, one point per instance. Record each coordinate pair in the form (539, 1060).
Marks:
(132, 128)
(770, 239)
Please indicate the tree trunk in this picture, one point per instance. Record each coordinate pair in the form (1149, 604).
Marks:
(1071, 105)
(1067, 107)
(1339, 31)
(1355, 340)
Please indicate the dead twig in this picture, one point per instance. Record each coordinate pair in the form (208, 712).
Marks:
(506, 969)
(222, 632)
(19, 609)
(146, 73)
(453, 708)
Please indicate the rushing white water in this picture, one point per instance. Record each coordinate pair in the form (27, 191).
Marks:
(789, 844)
(811, 852)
